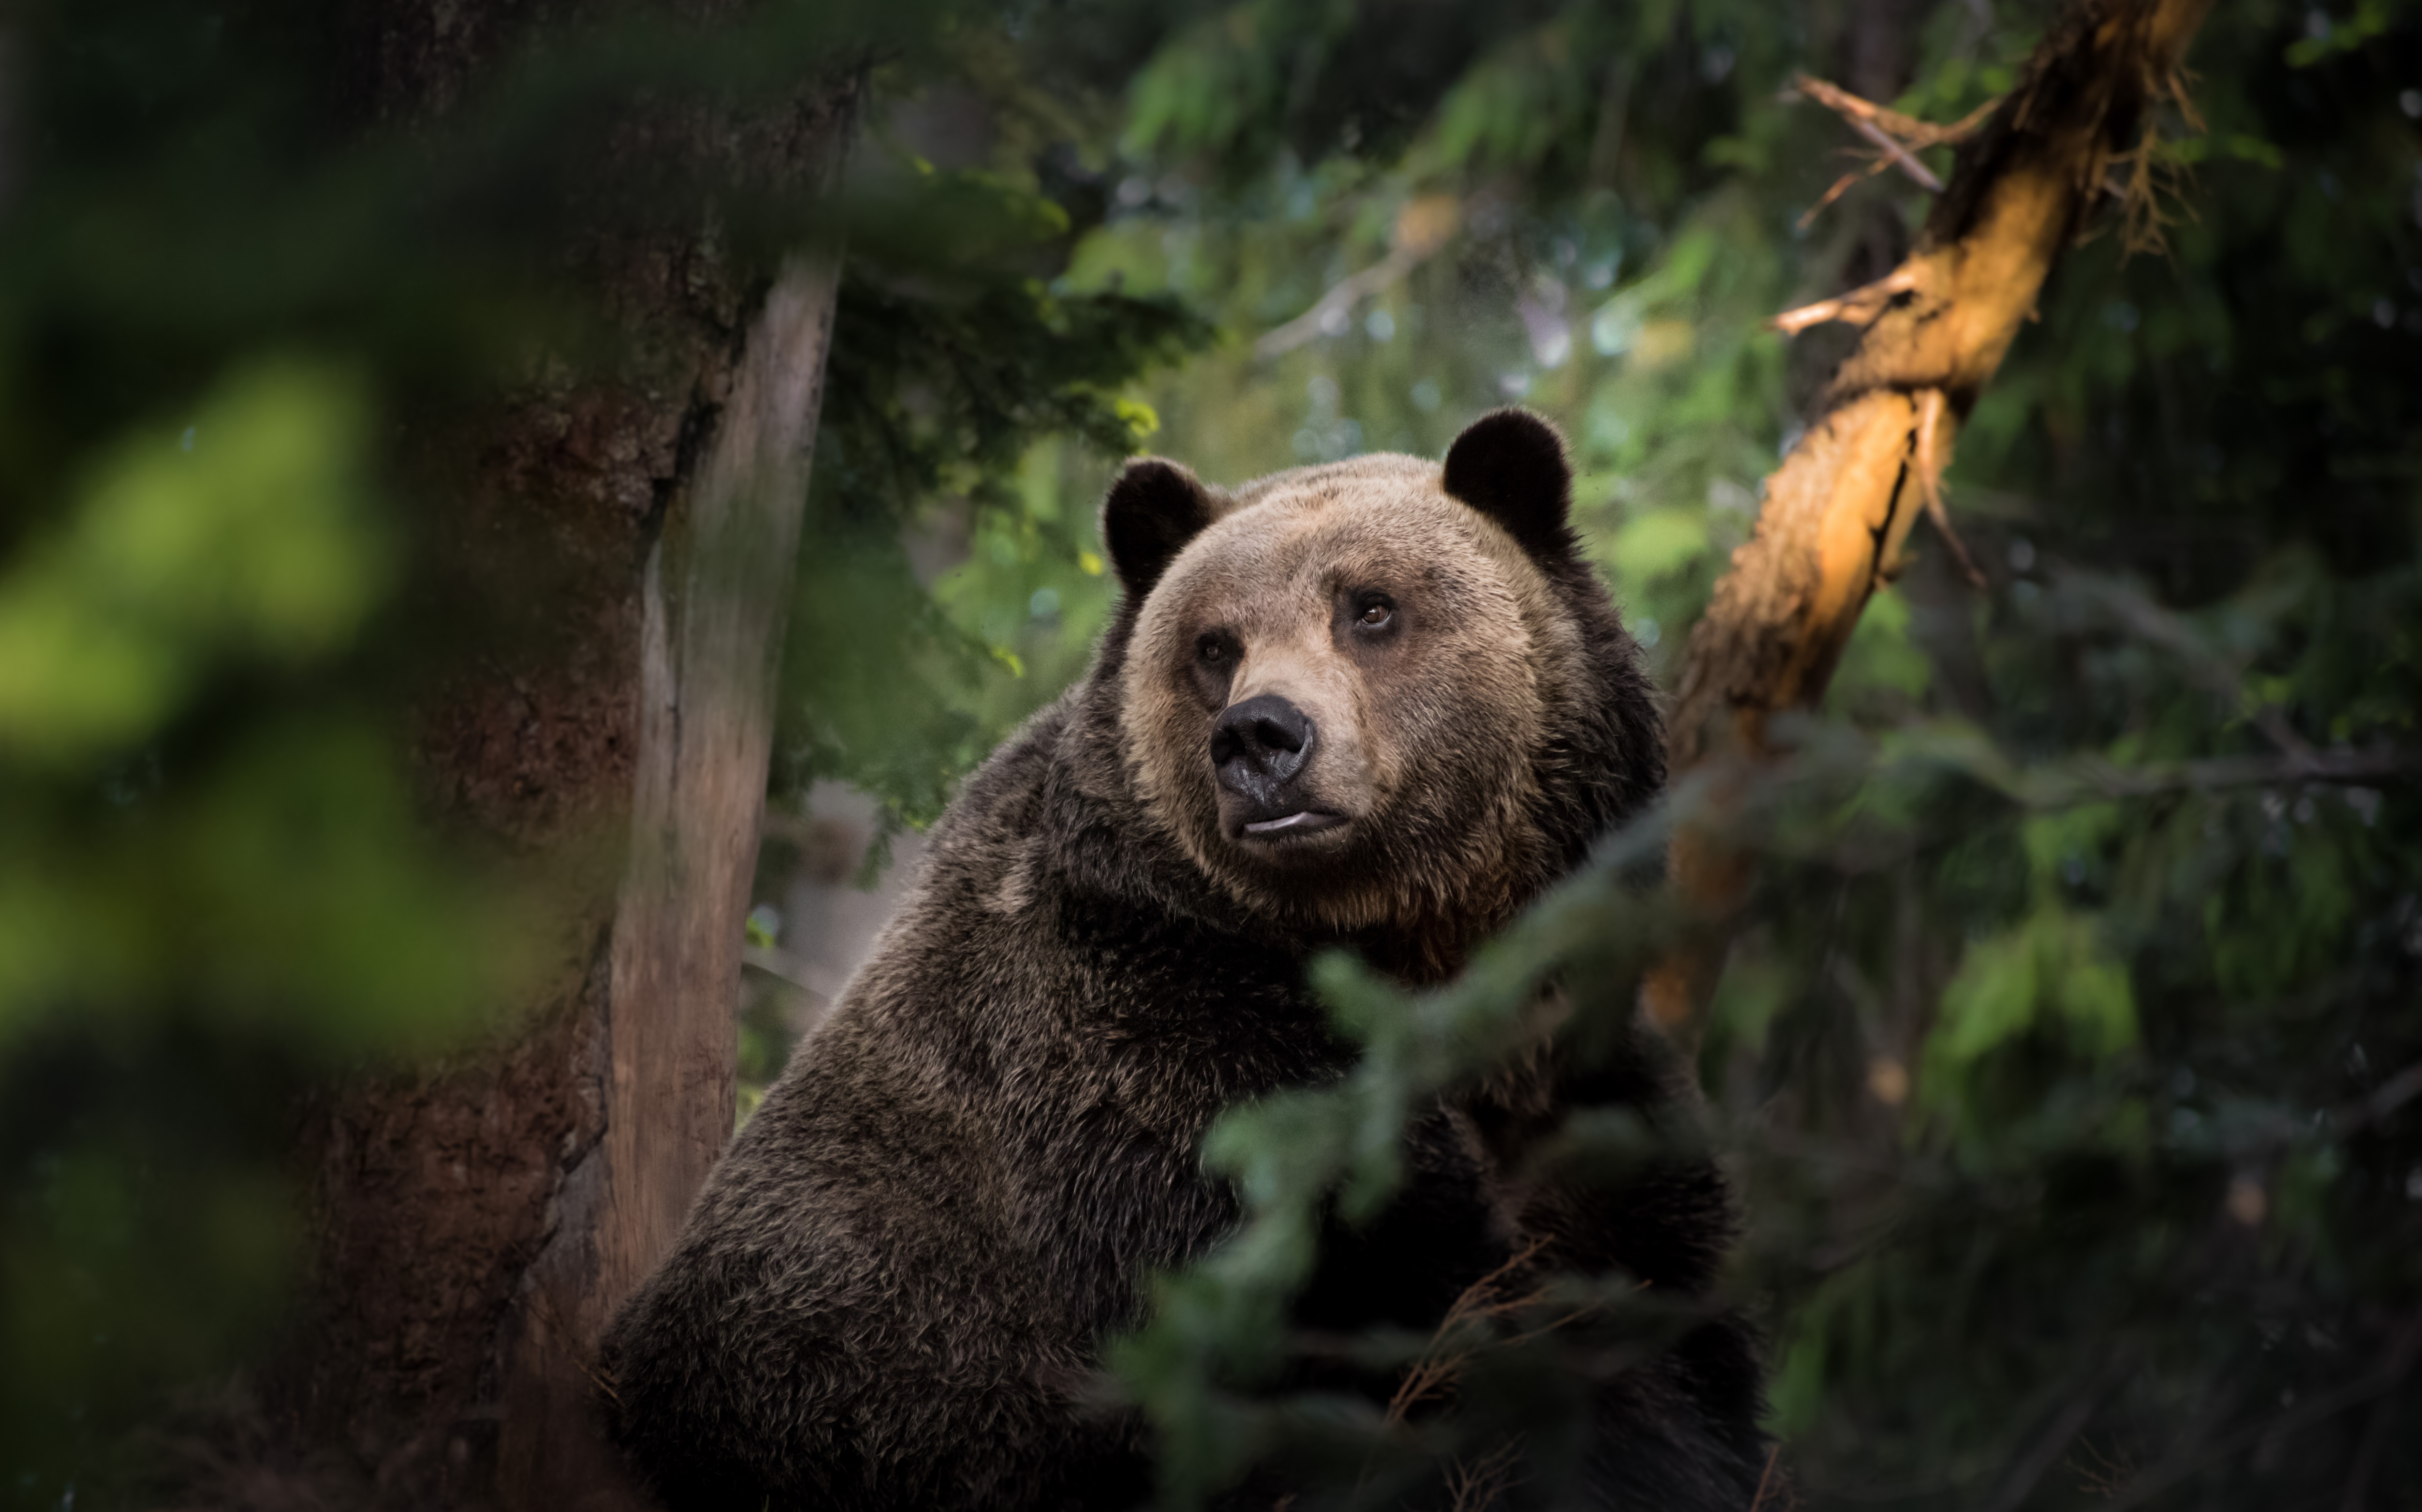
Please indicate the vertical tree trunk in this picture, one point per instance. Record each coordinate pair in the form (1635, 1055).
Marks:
(630, 533)
(711, 623)
(1932, 332)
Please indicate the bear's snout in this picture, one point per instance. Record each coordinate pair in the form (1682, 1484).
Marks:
(1259, 744)
(1259, 747)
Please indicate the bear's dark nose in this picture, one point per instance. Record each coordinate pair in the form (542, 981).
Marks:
(1258, 745)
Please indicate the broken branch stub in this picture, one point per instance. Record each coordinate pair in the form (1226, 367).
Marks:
(1839, 509)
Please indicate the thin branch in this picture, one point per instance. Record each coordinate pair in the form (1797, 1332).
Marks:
(1901, 156)
(1341, 299)
(1919, 134)
(1437, 1368)
(1893, 134)
(1861, 304)
(1477, 1488)
(1930, 463)
(1842, 187)
(1765, 1479)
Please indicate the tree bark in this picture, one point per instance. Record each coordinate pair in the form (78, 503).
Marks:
(632, 534)
(1837, 512)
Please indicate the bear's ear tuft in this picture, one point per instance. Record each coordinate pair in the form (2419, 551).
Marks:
(1154, 508)
(1509, 464)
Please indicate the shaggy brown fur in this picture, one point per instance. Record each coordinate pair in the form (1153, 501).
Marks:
(892, 1291)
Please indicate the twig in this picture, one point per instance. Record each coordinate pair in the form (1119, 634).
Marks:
(1908, 128)
(1435, 1371)
(1476, 1488)
(1863, 304)
(1342, 296)
(1900, 155)
(1842, 187)
(1774, 1453)
(1893, 134)
(1929, 481)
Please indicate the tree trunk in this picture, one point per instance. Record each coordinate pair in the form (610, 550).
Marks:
(631, 534)
(1839, 509)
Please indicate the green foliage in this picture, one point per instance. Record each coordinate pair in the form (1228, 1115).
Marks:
(213, 880)
(234, 293)
(182, 552)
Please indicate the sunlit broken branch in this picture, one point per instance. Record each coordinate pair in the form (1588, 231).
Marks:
(2024, 180)
(1860, 306)
(1929, 465)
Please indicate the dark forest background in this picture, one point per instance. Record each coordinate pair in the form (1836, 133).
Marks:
(2069, 1056)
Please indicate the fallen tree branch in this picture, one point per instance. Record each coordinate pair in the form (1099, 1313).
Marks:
(1838, 511)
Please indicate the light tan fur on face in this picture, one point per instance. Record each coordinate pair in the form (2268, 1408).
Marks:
(1430, 747)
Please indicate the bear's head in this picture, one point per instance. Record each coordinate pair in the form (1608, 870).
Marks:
(1381, 694)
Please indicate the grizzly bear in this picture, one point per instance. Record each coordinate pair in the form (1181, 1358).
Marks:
(1379, 704)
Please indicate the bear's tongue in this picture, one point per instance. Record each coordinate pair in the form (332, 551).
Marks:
(1300, 819)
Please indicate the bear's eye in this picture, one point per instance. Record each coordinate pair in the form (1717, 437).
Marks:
(1211, 650)
(1376, 614)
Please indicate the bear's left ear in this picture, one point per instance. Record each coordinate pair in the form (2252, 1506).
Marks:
(1154, 509)
(1509, 464)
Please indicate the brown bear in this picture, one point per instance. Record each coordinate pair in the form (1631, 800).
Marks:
(1378, 703)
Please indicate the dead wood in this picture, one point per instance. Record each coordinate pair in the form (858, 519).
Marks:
(1837, 512)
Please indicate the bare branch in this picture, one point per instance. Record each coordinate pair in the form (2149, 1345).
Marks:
(1930, 463)
(1340, 300)
(1422, 226)
(1900, 156)
(1861, 306)
(1765, 1478)
(1908, 129)
(1842, 187)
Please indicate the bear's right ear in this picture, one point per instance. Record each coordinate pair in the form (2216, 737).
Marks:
(1510, 465)
(1153, 509)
